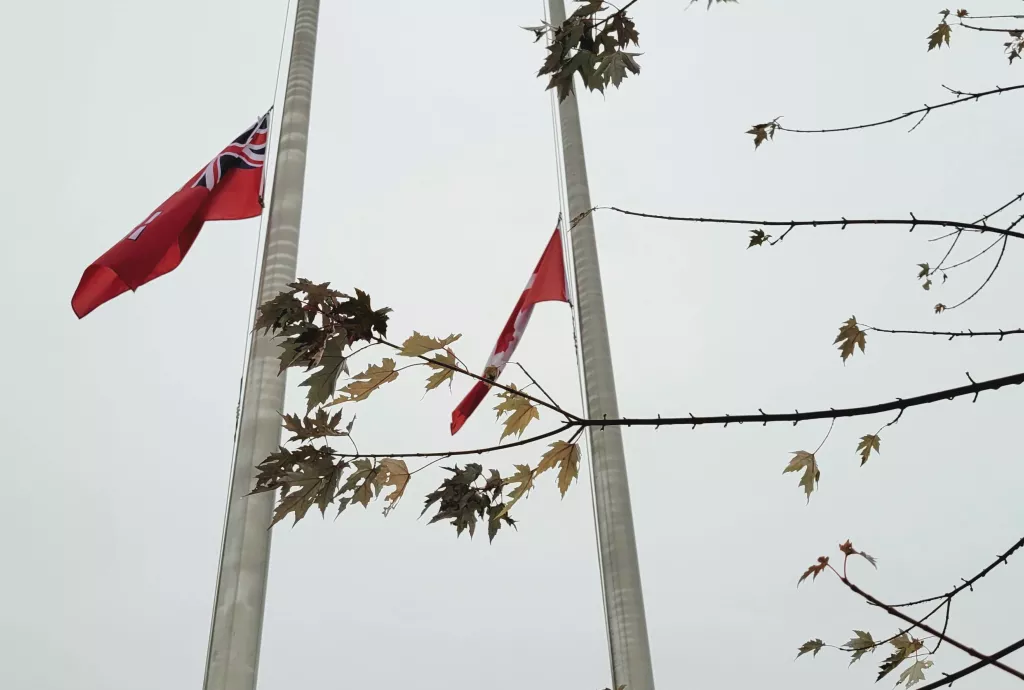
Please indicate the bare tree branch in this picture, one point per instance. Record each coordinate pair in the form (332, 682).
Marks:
(842, 223)
(923, 111)
(949, 334)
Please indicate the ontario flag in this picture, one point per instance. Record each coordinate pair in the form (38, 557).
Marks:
(547, 284)
(229, 187)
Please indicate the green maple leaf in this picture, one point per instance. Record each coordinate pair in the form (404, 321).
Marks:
(860, 645)
(323, 382)
(812, 646)
(806, 462)
(871, 442)
(911, 676)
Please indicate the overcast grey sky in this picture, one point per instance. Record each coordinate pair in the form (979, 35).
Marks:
(431, 184)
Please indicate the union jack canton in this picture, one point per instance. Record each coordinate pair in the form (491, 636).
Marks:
(247, 152)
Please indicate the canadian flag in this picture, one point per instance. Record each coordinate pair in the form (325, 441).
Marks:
(547, 284)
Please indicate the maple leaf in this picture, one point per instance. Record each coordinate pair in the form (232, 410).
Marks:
(757, 238)
(849, 338)
(847, 548)
(905, 646)
(871, 442)
(417, 344)
(860, 645)
(394, 473)
(321, 425)
(565, 456)
(523, 481)
(915, 673)
(323, 382)
(940, 35)
(763, 132)
(362, 482)
(805, 461)
(813, 646)
(496, 516)
(814, 570)
(925, 270)
(961, 13)
(939, 308)
(927, 285)
(441, 373)
(367, 382)
(520, 413)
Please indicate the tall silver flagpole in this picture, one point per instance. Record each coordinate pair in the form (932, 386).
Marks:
(620, 569)
(233, 657)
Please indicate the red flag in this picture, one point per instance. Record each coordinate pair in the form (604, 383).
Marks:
(228, 188)
(547, 284)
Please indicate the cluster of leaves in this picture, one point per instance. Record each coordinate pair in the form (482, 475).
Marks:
(904, 646)
(941, 34)
(317, 327)
(593, 42)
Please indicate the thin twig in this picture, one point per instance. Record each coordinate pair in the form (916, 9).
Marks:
(987, 280)
(539, 387)
(1001, 559)
(911, 113)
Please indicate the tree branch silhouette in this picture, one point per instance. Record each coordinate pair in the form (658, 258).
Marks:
(923, 111)
(842, 223)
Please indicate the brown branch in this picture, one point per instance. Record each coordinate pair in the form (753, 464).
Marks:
(842, 223)
(928, 629)
(923, 111)
(950, 677)
(949, 334)
(968, 584)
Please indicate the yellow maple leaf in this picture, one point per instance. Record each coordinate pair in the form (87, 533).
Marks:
(802, 460)
(393, 472)
(417, 344)
(523, 479)
(441, 373)
(365, 383)
(849, 338)
(565, 456)
(520, 413)
(871, 442)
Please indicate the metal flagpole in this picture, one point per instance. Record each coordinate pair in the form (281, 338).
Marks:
(620, 569)
(233, 656)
